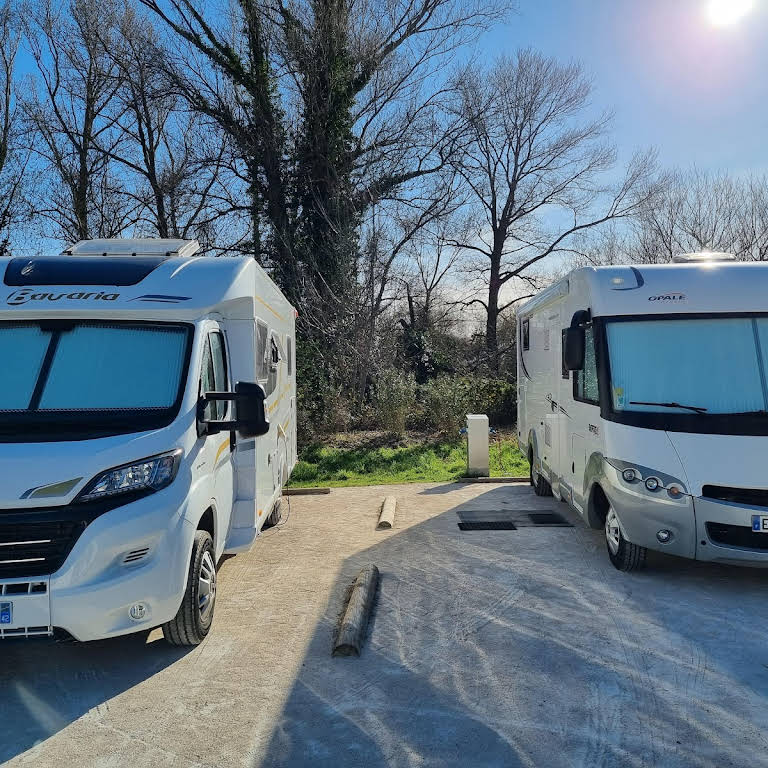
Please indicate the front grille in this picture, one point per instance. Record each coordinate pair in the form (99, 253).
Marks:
(36, 548)
(737, 536)
(7, 634)
(751, 497)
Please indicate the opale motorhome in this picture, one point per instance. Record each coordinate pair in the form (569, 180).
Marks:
(147, 426)
(643, 403)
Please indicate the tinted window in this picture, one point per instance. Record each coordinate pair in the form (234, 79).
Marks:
(289, 345)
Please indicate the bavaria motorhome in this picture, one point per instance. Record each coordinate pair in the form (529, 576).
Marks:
(147, 426)
(643, 402)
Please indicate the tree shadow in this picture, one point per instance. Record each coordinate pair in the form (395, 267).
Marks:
(527, 648)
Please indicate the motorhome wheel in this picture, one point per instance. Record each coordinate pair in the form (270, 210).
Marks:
(540, 486)
(624, 555)
(195, 615)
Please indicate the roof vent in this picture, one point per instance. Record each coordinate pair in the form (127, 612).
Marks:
(142, 246)
(703, 257)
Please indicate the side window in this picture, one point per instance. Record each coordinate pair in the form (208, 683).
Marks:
(525, 333)
(585, 382)
(208, 379)
(289, 354)
(219, 357)
(262, 364)
(274, 365)
(566, 374)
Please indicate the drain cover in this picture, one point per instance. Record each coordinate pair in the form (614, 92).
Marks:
(488, 525)
(548, 518)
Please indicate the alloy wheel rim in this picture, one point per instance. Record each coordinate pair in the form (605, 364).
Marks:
(206, 592)
(612, 531)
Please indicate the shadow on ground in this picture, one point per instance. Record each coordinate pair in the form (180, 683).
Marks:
(40, 698)
(507, 648)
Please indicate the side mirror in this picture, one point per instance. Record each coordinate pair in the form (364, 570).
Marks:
(573, 349)
(250, 413)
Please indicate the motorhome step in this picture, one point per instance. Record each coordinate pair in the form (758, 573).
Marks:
(305, 491)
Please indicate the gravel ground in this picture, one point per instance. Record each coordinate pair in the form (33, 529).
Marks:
(488, 648)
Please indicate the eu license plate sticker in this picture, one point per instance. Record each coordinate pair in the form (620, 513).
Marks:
(6, 613)
(760, 523)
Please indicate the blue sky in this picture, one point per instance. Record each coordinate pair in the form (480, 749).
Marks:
(696, 92)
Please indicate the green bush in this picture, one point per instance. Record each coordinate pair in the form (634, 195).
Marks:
(448, 399)
(393, 400)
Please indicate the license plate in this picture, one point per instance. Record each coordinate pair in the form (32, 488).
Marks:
(6, 613)
(760, 523)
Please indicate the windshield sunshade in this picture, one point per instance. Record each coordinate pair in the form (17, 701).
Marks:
(91, 374)
(705, 366)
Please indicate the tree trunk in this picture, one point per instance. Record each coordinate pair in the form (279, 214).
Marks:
(492, 319)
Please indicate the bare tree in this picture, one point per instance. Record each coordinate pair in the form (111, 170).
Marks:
(174, 158)
(73, 115)
(13, 156)
(536, 167)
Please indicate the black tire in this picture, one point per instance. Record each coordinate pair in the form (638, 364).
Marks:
(624, 555)
(193, 620)
(540, 486)
(276, 515)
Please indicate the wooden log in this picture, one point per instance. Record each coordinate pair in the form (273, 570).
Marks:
(305, 491)
(387, 515)
(354, 623)
(493, 480)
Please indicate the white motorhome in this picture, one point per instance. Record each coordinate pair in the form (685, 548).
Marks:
(147, 426)
(643, 403)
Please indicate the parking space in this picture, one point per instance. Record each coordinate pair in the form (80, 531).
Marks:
(488, 648)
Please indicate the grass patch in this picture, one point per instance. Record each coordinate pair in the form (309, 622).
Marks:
(377, 459)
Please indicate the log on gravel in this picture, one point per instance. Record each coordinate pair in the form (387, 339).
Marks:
(354, 622)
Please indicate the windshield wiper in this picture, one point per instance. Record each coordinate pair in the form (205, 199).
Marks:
(694, 408)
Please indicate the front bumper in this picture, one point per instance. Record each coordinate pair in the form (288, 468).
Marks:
(701, 528)
(138, 552)
(724, 533)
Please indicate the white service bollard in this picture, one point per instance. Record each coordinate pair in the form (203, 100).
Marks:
(477, 445)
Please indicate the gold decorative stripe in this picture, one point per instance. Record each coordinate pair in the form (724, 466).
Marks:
(276, 314)
(221, 450)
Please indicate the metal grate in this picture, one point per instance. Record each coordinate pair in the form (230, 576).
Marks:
(737, 536)
(488, 525)
(550, 519)
(753, 497)
(36, 549)
(7, 634)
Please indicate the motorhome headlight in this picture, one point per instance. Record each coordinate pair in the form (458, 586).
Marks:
(150, 474)
(652, 484)
(629, 475)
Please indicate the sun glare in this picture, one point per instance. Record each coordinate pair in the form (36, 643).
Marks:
(726, 13)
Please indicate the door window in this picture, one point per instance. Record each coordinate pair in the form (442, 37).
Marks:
(208, 379)
(219, 357)
(585, 381)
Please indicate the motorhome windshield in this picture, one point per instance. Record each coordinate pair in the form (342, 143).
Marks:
(76, 379)
(699, 366)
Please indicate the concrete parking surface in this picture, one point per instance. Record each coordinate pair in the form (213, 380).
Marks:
(489, 648)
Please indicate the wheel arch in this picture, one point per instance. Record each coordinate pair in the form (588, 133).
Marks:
(597, 506)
